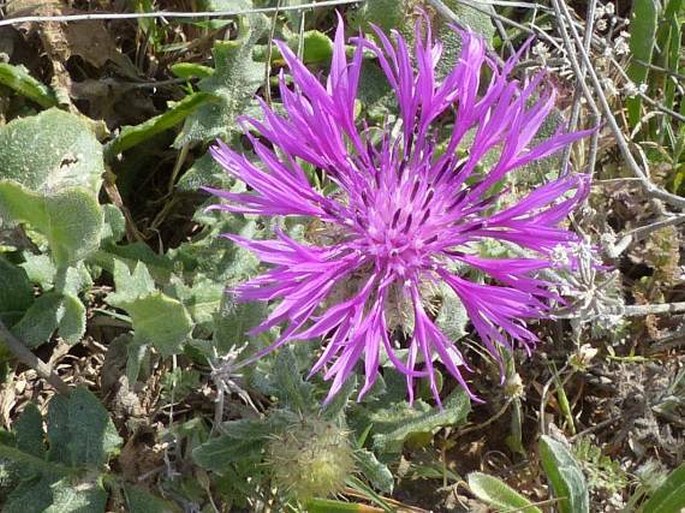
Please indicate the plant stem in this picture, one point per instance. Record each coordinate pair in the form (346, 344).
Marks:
(25, 356)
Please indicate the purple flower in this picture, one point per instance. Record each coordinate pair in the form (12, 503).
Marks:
(405, 211)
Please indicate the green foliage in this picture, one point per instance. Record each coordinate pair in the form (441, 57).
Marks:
(141, 501)
(643, 30)
(393, 425)
(19, 79)
(565, 476)
(670, 496)
(235, 80)
(54, 189)
(469, 17)
(602, 472)
(158, 319)
(334, 506)
(130, 136)
(16, 294)
(378, 474)
(317, 48)
(64, 476)
(497, 493)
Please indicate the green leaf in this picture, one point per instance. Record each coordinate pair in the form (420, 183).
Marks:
(50, 174)
(70, 219)
(58, 430)
(40, 269)
(158, 266)
(29, 431)
(93, 439)
(16, 293)
(243, 441)
(317, 48)
(393, 425)
(478, 21)
(158, 320)
(18, 78)
(131, 136)
(670, 496)
(114, 226)
(565, 476)
(334, 506)
(234, 320)
(190, 70)
(377, 473)
(202, 299)
(205, 171)
(643, 27)
(32, 496)
(131, 286)
(50, 312)
(236, 79)
(141, 501)
(387, 14)
(452, 317)
(291, 389)
(497, 493)
(77, 497)
(51, 151)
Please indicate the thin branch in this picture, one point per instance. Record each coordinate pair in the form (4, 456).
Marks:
(641, 232)
(25, 356)
(171, 14)
(639, 310)
(564, 17)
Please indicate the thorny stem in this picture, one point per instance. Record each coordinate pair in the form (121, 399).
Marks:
(25, 356)
(172, 14)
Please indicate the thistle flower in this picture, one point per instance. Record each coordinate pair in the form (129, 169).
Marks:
(406, 212)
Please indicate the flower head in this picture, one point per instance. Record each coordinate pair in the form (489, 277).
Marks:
(408, 208)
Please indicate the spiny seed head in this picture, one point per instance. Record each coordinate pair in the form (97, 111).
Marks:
(312, 458)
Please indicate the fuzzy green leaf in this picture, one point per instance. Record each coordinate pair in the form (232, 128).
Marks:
(18, 78)
(377, 473)
(70, 219)
(92, 436)
(157, 319)
(16, 293)
(131, 136)
(141, 501)
(29, 431)
(670, 496)
(51, 151)
(393, 425)
(565, 476)
(131, 285)
(243, 441)
(49, 312)
(497, 493)
(77, 497)
(232, 85)
(50, 174)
